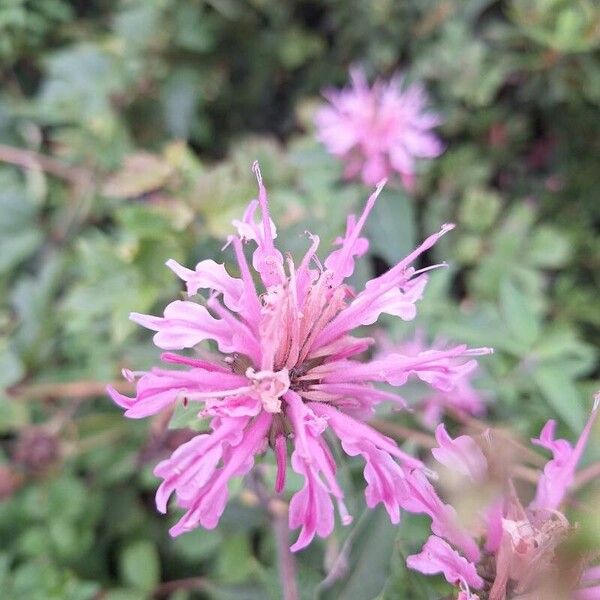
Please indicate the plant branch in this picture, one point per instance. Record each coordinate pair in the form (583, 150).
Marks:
(405, 433)
(190, 583)
(480, 426)
(69, 389)
(285, 559)
(277, 510)
(28, 159)
(587, 475)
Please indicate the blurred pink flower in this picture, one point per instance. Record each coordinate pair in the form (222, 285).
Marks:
(288, 372)
(378, 130)
(520, 545)
(560, 471)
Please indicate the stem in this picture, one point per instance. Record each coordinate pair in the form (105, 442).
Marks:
(587, 475)
(69, 389)
(405, 433)
(190, 583)
(526, 452)
(285, 559)
(277, 510)
(28, 159)
(525, 473)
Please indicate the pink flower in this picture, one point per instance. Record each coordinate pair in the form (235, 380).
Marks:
(378, 130)
(461, 454)
(288, 371)
(560, 471)
(438, 557)
(464, 397)
(522, 555)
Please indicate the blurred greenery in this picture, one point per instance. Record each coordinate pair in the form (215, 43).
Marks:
(127, 131)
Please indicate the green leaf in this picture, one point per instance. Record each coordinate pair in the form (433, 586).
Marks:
(549, 248)
(369, 563)
(390, 227)
(521, 320)
(235, 559)
(140, 565)
(561, 394)
(187, 417)
(479, 208)
(198, 545)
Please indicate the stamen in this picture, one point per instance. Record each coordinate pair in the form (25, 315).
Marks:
(281, 457)
(264, 207)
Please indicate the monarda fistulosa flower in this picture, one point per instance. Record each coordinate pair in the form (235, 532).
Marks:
(288, 371)
(525, 552)
(379, 130)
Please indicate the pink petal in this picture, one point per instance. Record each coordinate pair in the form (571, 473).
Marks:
(213, 276)
(186, 324)
(461, 454)
(559, 472)
(437, 556)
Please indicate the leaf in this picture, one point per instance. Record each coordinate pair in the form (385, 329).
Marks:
(479, 208)
(235, 562)
(180, 97)
(20, 234)
(369, 562)
(140, 566)
(549, 248)
(561, 394)
(522, 322)
(391, 226)
(11, 366)
(141, 173)
(187, 417)
(198, 545)
(16, 247)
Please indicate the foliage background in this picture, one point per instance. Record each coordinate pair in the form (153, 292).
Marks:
(127, 130)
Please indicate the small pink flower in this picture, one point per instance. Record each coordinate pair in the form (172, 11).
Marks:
(522, 544)
(379, 130)
(288, 371)
(560, 471)
(438, 557)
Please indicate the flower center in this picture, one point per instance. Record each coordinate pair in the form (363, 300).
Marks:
(269, 386)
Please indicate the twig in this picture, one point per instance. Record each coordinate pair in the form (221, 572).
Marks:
(70, 389)
(189, 583)
(526, 452)
(406, 433)
(525, 473)
(587, 475)
(28, 159)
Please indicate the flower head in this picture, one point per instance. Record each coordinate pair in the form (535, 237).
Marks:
(378, 130)
(288, 370)
(521, 554)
